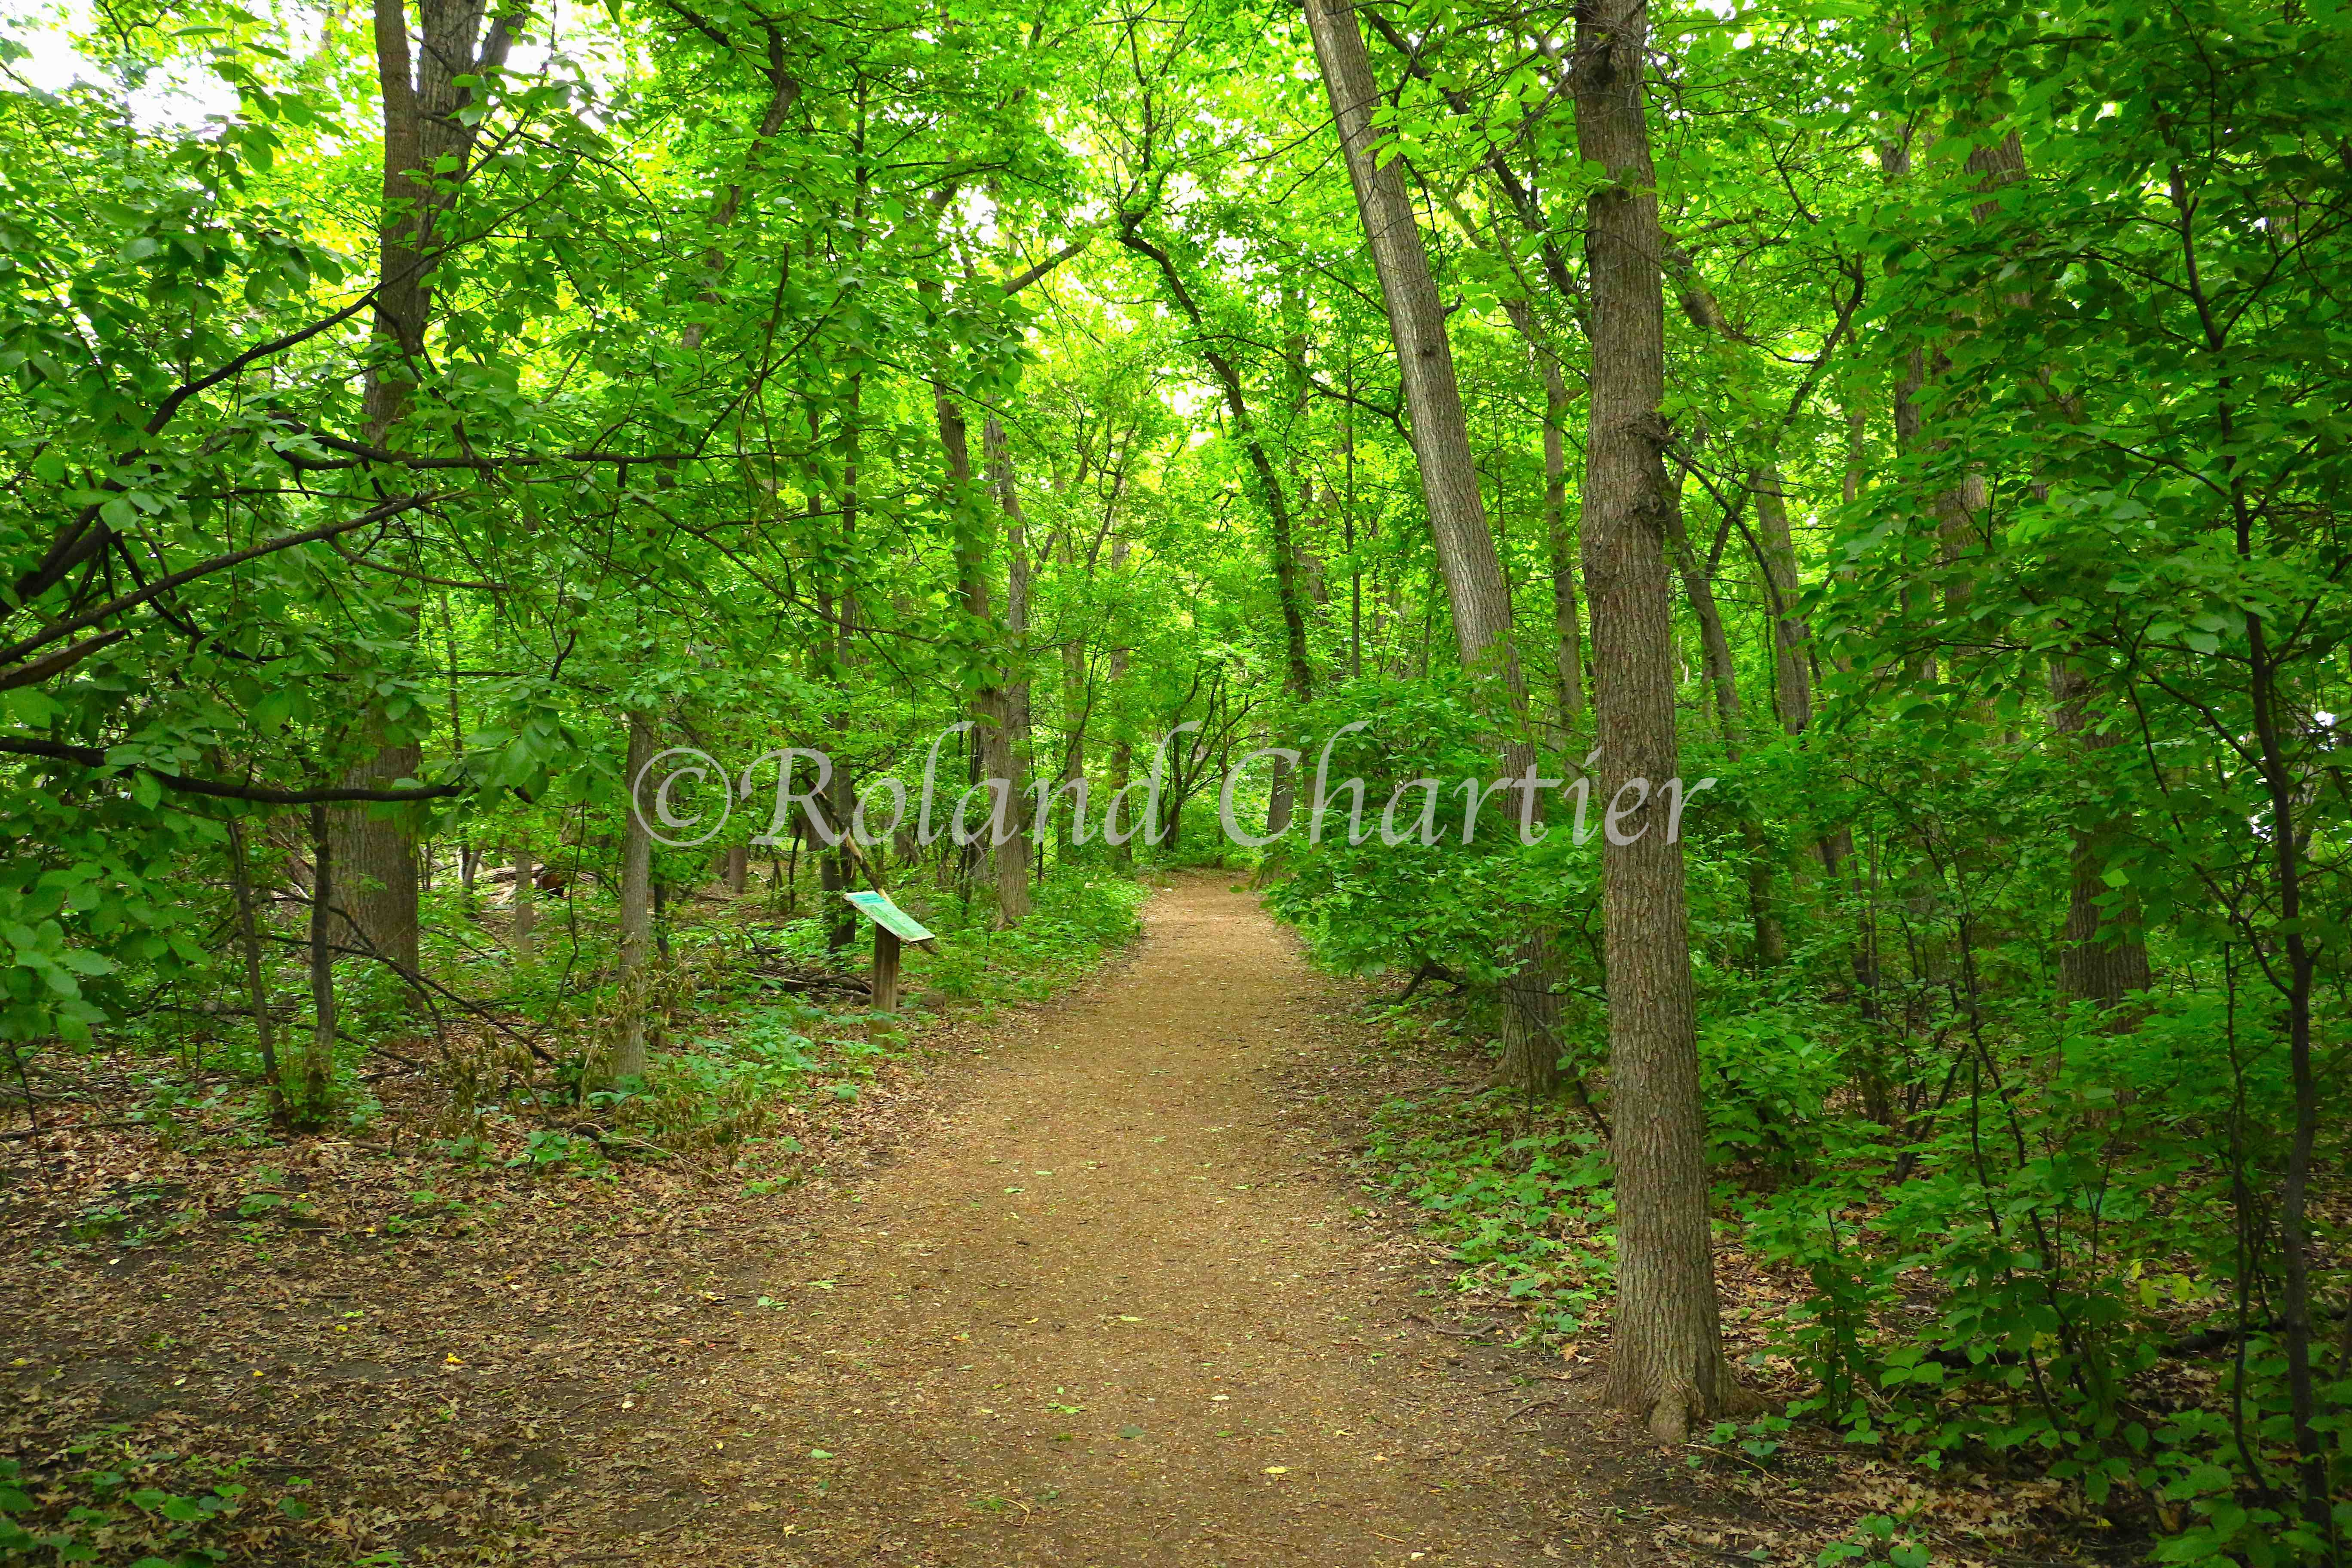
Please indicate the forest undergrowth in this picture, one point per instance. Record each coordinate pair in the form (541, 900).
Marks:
(372, 1344)
(1938, 1387)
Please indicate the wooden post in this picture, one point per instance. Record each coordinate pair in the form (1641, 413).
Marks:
(886, 970)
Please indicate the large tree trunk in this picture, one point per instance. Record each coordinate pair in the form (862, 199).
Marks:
(375, 858)
(422, 102)
(1010, 745)
(1475, 588)
(636, 905)
(1667, 1364)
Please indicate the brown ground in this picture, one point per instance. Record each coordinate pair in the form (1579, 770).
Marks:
(1100, 1316)
(1092, 1283)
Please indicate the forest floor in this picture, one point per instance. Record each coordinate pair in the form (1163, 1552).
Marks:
(1090, 1282)
(1114, 1309)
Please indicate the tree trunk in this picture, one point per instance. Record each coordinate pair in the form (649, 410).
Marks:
(265, 1030)
(1567, 660)
(1667, 1364)
(319, 1053)
(1298, 671)
(838, 603)
(1122, 751)
(2101, 958)
(636, 906)
(738, 868)
(524, 921)
(1011, 739)
(1568, 669)
(376, 859)
(1771, 940)
(423, 123)
(1076, 699)
(1475, 588)
(1792, 686)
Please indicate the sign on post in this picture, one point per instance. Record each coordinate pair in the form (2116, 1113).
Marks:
(892, 925)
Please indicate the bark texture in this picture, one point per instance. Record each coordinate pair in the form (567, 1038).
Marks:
(1668, 1366)
(419, 81)
(1475, 588)
(376, 857)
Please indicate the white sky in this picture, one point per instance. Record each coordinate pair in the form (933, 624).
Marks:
(187, 94)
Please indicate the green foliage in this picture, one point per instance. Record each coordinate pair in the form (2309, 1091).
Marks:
(109, 1501)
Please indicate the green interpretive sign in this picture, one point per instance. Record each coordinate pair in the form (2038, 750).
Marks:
(878, 908)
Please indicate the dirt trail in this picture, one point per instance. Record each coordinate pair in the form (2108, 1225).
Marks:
(1101, 1316)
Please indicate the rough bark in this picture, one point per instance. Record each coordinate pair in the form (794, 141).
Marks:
(1668, 1366)
(422, 98)
(1475, 588)
(376, 883)
(636, 906)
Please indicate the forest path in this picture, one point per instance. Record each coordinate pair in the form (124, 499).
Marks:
(1099, 1316)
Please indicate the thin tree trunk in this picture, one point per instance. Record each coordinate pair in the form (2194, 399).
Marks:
(525, 918)
(1667, 1364)
(319, 1054)
(636, 906)
(1298, 671)
(265, 1028)
(1122, 751)
(1568, 659)
(1568, 667)
(1479, 598)
(1011, 739)
(1792, 687)
(832, 656)
(1771, 940)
